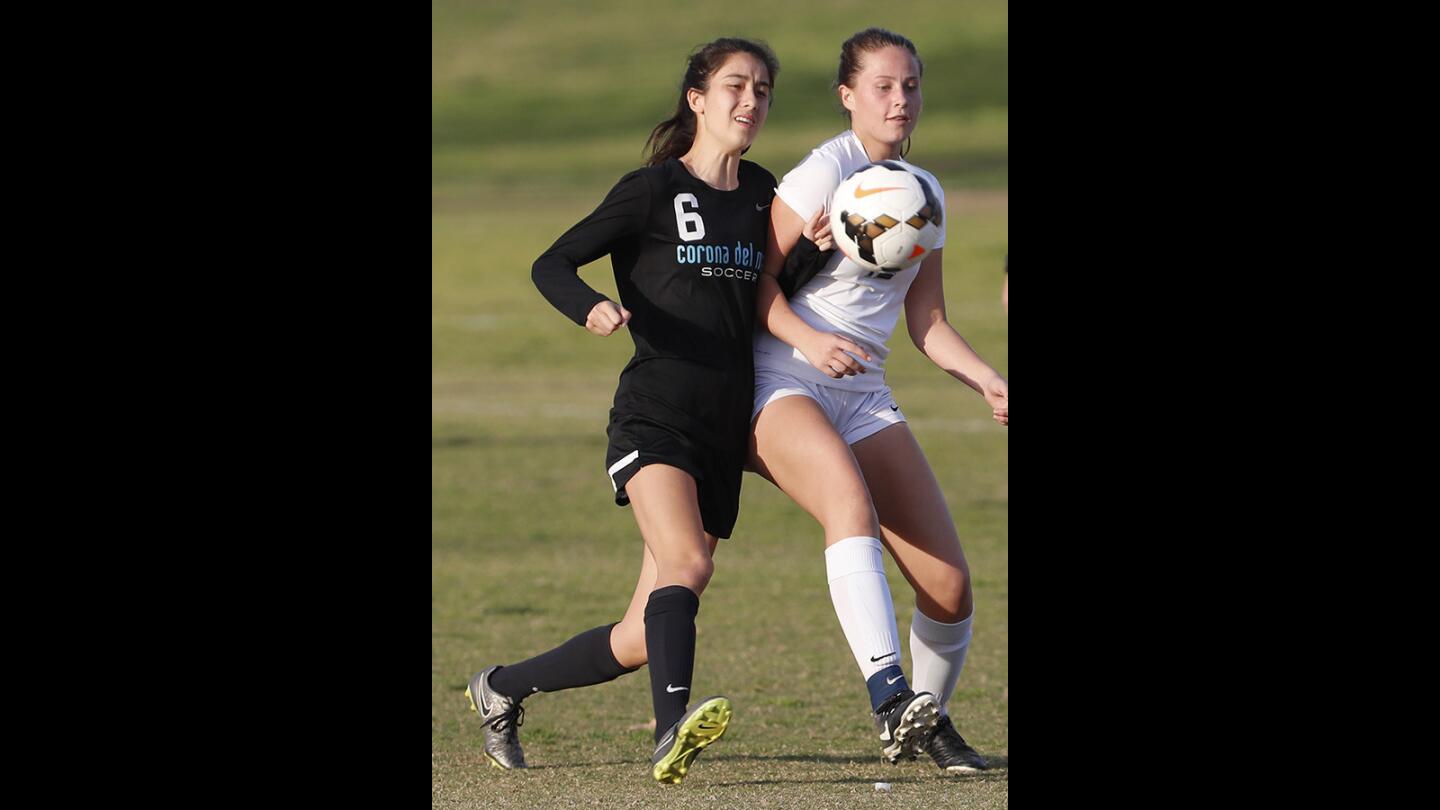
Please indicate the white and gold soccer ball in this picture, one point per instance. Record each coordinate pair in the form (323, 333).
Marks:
(885, 218)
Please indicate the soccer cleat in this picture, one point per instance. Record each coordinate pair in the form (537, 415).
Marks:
(904, 720)
(684, 741)
(503, 717)
(951, 752)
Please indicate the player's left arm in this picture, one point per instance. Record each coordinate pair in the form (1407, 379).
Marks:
(937, 339)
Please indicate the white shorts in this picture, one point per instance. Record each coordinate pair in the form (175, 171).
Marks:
(855, 414)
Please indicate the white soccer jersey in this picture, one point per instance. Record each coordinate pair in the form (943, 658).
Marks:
(839, 298)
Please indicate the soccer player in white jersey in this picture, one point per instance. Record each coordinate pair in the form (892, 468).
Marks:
(828, 432)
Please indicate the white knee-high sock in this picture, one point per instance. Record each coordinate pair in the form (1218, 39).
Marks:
(861, 596)
(937, 654)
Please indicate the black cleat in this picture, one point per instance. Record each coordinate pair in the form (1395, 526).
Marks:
(904, 721)
(951, 752)
(503, 717)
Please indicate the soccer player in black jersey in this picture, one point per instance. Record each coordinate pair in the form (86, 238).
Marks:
(686, 237)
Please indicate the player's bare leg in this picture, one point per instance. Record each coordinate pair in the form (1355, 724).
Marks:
(921, 536)
(627, 638)
(667, 510)
(792, 441)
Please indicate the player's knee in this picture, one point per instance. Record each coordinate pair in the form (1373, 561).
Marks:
(848, 522)
(699, 572)
(949, 596)
(850, 514)
(693, 571)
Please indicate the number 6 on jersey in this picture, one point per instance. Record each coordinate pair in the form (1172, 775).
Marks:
(688, 223)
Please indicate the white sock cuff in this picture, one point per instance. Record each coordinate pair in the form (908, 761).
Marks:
(939, 634)
(853, 555)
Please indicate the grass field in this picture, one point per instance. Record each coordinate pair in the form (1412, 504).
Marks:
(536, 109)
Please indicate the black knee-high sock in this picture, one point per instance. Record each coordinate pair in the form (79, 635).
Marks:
(670, 643)
(584, 660)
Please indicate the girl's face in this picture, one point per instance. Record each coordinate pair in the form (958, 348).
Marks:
(884, 101)
(733, 109)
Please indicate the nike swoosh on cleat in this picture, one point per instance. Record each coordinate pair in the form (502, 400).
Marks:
(894, 407)
(669, 688)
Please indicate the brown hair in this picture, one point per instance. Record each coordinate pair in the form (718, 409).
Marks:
(673, 137)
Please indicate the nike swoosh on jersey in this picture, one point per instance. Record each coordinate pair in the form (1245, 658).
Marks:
(759, 207)
(864, 192)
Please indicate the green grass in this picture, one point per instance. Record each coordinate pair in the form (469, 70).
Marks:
(538, 108)
(563, 93)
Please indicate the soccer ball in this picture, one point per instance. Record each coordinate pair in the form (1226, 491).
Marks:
(885, 218)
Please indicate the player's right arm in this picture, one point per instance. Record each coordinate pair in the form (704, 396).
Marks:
(825, 351)
(605, 317)
(621, 215)
(809, 255)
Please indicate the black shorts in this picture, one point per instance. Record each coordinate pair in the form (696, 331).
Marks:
(636, 441)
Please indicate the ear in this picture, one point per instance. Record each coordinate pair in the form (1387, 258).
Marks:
(847, 97)
(696, 100)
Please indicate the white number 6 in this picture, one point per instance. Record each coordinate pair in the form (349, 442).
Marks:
(688, 223)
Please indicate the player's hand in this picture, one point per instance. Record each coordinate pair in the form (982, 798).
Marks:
(831, 354)
(605, 317)
(817, 230)
(997, 394)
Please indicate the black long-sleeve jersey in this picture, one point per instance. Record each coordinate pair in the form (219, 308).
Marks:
(687, 261)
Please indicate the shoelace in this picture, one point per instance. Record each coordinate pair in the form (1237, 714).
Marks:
(510, 720)
(893, 701)
(946, 737)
